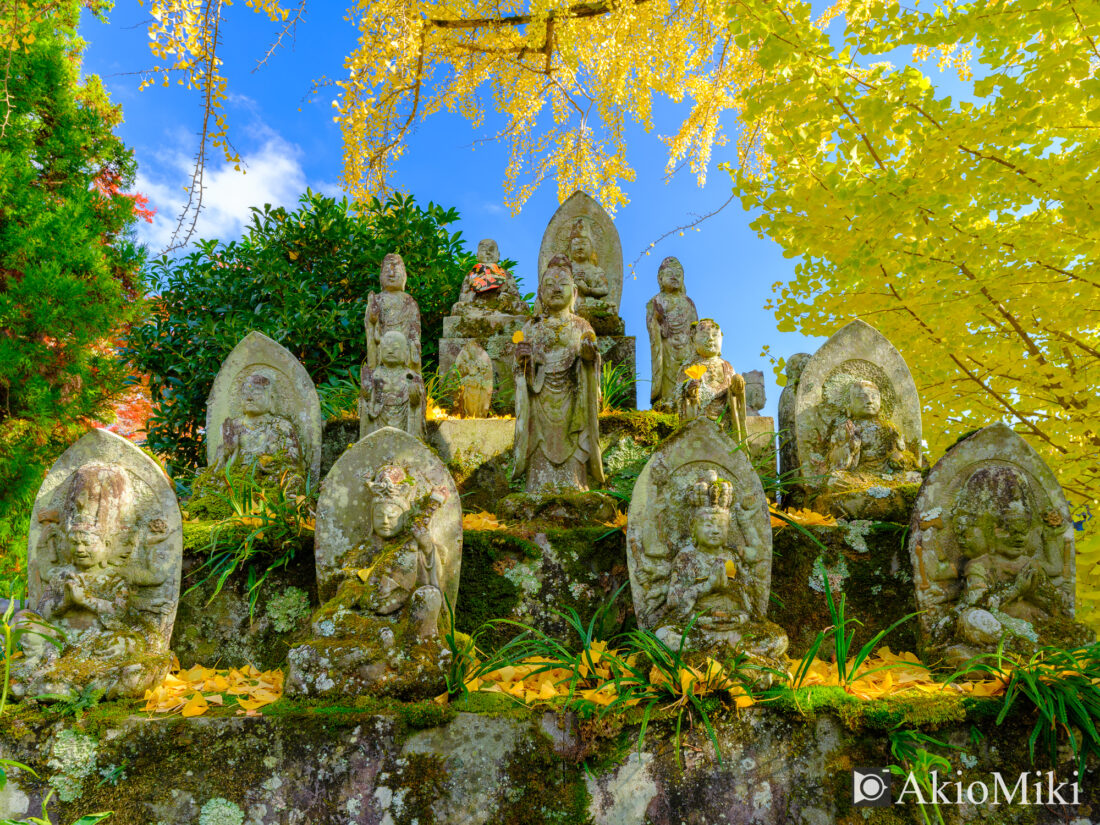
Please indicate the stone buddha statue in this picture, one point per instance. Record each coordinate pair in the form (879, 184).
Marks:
(105, 587)
(557, 378)
(392, 394)
(591, 282)
(669, 317)
(709, 386)
(394, 310)
(488, 288)
(865, 444)
(258, 436)
(475, 373)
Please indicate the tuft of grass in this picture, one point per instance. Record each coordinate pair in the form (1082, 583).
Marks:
(339, 395)
(617, 387)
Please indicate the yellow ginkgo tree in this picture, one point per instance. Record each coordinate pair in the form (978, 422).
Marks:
(963, 226)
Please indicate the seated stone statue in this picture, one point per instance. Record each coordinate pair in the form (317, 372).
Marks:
(715, 579)
(709, 386)
(1011, 576)
(475, 372)
(258, 436)
(488, 288)
(391, 581)
(557, 369)
(391, 394)
(865, 445)
(392, 310)
(669, 318)
(101, 596)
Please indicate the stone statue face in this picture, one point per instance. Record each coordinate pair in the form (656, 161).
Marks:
(89, 549)
(393, 349)
(256, 394)
(864, 400)
(393, 275)
(580, 248)
(710, 528)
(795, 366)
(755, 396)
(708, 340)
(387, 517)
(992, 514)
(670, 276)
(487, 251)
(557, 289)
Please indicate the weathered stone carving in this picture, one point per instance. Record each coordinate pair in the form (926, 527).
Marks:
(392, 310)
(104, 561)
(857, 424)
(583, 232)
(263, 410)
(699, 544)
(392, 394)
(789, 465)
(557, 379)
(488, 288)
(991, 542)
(709, 386)
(475, 372)
(755, 393)
(389, 550)
(669, 318)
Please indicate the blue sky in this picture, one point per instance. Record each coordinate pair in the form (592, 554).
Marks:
(729, 270)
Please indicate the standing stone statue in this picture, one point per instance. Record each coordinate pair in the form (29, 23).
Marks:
(557, 378)
(669, 318)
(392, 309)
(583, 232)
(755, 393)
(104, 560)
(263, 412)
(488, 288)
(991, 543)
(789, 465)
(475, 372)
(709, 386)
(392, 394)
(857, 426)
(389, 549)
(699, 547)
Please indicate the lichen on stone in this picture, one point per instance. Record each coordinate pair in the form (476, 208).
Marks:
(855, 533)
(219, 811)
(73, 756)
(836, 574)
(288, 609)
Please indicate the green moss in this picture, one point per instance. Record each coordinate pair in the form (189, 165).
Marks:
(484, 592)
(427, 714)
(646, 427)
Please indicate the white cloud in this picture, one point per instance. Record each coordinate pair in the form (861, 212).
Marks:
(271, 174)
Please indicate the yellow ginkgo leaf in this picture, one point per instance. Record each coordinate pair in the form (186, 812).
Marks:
(731, 569)
(363, 574)
(196, 706)
(517, 336)
(695, 371)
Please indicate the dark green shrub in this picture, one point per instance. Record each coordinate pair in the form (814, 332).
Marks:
(68, 265)
(302, 278)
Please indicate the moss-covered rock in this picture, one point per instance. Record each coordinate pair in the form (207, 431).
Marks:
(866, 560)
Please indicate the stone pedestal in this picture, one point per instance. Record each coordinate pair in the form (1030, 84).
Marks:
(494, 333)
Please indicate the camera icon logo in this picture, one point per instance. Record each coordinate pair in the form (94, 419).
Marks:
(871, 787)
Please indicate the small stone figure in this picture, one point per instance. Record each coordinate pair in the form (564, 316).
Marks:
(259, 437)
(557, 371)
(866, 444)
(789, 465)
(755, 393)
(392, 309)
(711, 387)
(392, 394)
(591, 283)
(488, 288)
(388, 549)
(475, 371)
(262, 414)
(104, 570)
(669, 317)
(699, 548)
(992, 548)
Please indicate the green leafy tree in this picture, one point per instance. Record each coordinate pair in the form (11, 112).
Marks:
(300, 277)
(67, 265)
(963, 227)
